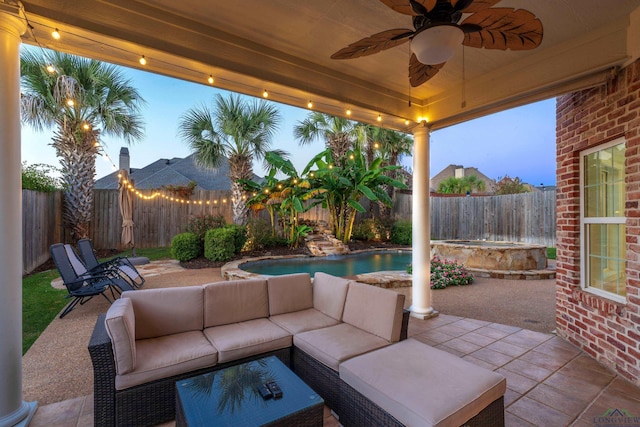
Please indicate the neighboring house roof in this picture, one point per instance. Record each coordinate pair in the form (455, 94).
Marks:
(460, 171)
(176, 172)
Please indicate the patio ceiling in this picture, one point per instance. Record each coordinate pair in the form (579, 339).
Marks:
(284, 46)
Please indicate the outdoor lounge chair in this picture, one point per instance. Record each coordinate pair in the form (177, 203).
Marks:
(118, 281)
(121, 263)
(80, 288)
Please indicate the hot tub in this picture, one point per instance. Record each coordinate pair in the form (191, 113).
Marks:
(489, 255)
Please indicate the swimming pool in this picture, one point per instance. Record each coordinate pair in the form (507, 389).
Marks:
(339, 265)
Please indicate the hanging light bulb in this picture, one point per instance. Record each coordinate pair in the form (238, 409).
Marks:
(210, 79)
(406, 122)
(379, 118)
(265, 94)
(51, 69)
(55, 34)
(309, 104)
(70, 102)
(86, 126)
(143, 60)
(348, 111)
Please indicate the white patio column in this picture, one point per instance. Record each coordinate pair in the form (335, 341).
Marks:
(13, 410)
(421, 254)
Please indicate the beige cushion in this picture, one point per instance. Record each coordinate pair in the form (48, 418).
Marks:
(421, 385)
(166, 311)
(329, 294)
(335, 344)
(290, 292)
(375, 310)
(121, 327)
(235, 301)
(303, 320)
(249, 338)
(168, 355)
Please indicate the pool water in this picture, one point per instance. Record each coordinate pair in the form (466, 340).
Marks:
(338, 265)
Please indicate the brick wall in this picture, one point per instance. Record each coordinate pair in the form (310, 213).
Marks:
(608, 331)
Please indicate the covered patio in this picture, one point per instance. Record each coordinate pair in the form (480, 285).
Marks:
(283, 49)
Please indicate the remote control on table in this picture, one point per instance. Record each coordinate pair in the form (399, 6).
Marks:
(264, 391)
(275, 389)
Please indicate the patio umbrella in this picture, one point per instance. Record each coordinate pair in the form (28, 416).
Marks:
(126, 210)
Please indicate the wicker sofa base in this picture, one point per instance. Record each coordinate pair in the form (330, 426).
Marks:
(357, 410)
(146, 404)
(322, 379)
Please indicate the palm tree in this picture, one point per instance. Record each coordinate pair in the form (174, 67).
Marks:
(234, 129)
(339, 133)
(82, 99)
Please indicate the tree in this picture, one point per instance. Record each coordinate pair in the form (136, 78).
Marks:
(342, 184)
(37, 177)
(82, 99)
(508, 185)
(464, 185)
(235, 129)
(338, 133)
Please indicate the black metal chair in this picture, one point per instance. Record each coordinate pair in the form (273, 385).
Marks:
(124, 266)
(118, 281)
(80, 288)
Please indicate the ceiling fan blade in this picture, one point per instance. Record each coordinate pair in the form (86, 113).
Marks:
(504, 28)
(405, 7)
(374, 44)
(420, 73)
(474, 7)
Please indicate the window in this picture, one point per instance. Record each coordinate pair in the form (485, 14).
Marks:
(603, 263)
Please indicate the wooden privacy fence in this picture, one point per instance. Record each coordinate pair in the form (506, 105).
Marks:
(526, 217)
(529, 217)
(156, 220)
(41, 226)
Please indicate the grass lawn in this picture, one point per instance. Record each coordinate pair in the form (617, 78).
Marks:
(41, 303)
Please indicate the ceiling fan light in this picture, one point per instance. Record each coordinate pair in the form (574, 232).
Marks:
(437, 44)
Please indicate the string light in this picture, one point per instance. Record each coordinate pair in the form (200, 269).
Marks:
(55, 34)
(406, 122)
(379, 118)
(70, 102)
(86, 126)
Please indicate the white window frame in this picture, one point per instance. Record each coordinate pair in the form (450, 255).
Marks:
(584, 222)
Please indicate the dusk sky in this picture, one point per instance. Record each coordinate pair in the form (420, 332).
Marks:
(519, 142)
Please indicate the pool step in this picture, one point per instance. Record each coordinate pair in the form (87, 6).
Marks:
(325, 244)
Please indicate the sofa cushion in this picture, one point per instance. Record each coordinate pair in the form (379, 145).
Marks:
(121, 326)
(329, 294)
(335, 344)
(168, 355)
(290, 292)
(375, 310)
(156, 310)
(303, 320)
(421, 385)
(235, 301)
(238, 340)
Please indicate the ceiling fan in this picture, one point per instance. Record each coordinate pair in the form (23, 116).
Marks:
(437, 33)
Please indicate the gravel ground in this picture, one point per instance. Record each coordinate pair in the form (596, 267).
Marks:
(57, 367)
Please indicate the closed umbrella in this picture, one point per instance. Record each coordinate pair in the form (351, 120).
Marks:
(126, 210)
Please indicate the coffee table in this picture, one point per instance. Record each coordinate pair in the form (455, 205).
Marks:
(229, 397)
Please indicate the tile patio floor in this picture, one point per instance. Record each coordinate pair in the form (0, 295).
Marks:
(550, 383)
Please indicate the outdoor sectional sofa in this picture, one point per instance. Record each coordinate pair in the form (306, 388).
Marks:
(346, 339)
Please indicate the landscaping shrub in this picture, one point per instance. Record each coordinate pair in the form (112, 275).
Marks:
(219, 244)
(259, 235)
(401, 233)
(200, 224)
(363, 230)
(185, 247)
(239, 236)
(446, 273)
